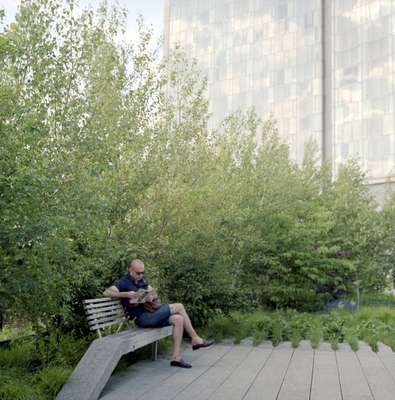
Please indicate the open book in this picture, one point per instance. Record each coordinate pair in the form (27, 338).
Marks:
(142, 295)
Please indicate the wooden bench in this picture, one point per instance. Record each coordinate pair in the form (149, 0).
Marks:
(95, 367)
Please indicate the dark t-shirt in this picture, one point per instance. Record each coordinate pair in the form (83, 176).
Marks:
(127, 284)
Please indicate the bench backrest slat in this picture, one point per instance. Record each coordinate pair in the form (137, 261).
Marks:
(100, 300)
(104, 312)
(113, 313)
(110, 303)
(106, 324)
(102, 320)
(90, 311)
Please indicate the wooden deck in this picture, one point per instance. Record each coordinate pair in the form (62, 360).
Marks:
(236, 372)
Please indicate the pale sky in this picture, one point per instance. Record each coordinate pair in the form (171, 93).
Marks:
(151, 10)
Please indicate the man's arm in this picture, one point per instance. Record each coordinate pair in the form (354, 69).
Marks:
(114, 292)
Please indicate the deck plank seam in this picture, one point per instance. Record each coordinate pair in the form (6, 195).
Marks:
(338, 375)
(256, 375)
(385, 367)
(364, 375)
(312, 374)
(211, 366)
(227, 376)
(174, 372)
(285, 374)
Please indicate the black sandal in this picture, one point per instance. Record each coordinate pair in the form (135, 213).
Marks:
(205, 343)
(181, 364)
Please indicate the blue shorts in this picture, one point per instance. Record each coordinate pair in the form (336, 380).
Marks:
(156, 319)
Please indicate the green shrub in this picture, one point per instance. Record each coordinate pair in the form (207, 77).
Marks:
(372, 341)
(295, 338)
(334, 343)
(332, 326)
(277, 332)
(232, 221)
(315, 337)
(259, 337)
(221, 327)
(335, 327)
(302, 323)
(353, 342)
(351, 337)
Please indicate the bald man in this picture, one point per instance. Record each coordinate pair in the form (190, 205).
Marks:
(128, 288)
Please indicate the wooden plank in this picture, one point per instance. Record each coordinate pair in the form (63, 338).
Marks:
(104, 314)
(143, 337)
(105, 304)
(268, 381)
(110, 318)
(126, 335)
(95, 368)
(379, 379)
(238, 383)
(90, 311)
(297, 380)
(99, 300)
(326, 383)
(178, 382)
(352, 381)
(105, 309)
(163, 384)
(106, 324)
(387, 357)
(205, 385)
(147, 376)
(136, 380)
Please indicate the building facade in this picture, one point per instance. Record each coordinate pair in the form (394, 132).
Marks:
(323, 68)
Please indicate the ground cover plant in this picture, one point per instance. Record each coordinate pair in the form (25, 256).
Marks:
(369, 324)
(36, 369)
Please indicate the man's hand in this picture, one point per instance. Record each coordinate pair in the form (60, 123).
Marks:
(132, 295)
(150, 297)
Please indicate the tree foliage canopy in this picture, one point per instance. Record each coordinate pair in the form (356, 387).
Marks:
(105, 155)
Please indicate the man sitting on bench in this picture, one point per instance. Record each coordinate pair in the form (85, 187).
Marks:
(160, 315)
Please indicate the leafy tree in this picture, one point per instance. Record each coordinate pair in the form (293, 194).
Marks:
(106, 154)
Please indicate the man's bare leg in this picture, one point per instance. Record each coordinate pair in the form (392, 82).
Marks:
(179, 309)
(177, 321)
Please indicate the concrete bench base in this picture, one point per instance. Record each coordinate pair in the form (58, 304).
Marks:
(95, 368)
